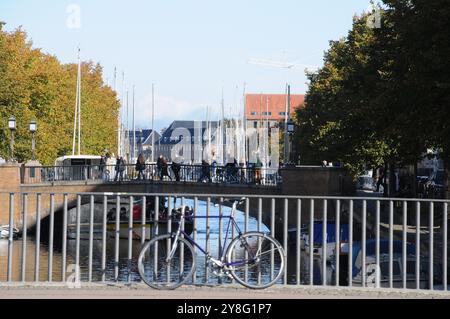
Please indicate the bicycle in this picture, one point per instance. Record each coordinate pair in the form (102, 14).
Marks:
(254, 259)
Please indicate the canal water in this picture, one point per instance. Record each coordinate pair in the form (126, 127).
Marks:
(128, 271)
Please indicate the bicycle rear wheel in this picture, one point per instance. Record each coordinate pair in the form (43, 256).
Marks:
(159, 270)
(256, 260)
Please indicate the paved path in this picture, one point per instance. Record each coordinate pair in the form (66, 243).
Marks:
(139, 291)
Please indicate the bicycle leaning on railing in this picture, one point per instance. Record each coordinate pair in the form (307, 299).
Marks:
(254, 259)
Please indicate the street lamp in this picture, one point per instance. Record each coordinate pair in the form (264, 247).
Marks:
(33, 129)
(12, 128)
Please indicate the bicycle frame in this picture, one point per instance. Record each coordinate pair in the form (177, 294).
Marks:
(231, 223)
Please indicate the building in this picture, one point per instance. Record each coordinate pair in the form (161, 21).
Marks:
(260, 108)
(144, 139)
(169, 140)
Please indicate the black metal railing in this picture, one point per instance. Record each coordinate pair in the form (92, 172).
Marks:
(152, 172)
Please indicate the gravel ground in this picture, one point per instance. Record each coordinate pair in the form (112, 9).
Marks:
(138, 291)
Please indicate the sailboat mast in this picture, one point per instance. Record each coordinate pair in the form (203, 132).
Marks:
(134, 127)
(128, 130)
(77, 110)
(266, 134)
(153, 123)
(76, 106)
(222, 131)
(79, 107)
(245, 126)
(209, 135)
(118, 116)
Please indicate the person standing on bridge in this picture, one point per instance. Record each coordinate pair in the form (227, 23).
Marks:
(176, 168)
(159, 164)
(258, 167)
(120, 167)
(206, 173)
(165, 169)
(140, 166)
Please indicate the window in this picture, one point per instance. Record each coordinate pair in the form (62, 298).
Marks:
(32, 172)
(254, 113)
(282, 113)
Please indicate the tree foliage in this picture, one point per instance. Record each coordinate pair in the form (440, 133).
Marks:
(383, 93)
(34, 85)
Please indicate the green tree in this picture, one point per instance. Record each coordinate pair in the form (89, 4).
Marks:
(383, 93)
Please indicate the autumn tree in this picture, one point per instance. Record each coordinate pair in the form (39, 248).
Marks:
(34, 85)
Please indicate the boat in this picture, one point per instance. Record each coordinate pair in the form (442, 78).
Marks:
(397, 264)
(5, 232)
(161, 226)
(318, 238)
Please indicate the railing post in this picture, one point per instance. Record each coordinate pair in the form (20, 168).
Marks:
(444, 246)
(285, 238)
(377, 245)
(391, 244)
(24, 236)
(91, 236)
(431, 247)
(77, 239)
(418, 245)
(364, 248)
(350, 245)
(64, 240)
(338, 241)
(298, 240)
(105, 220)
(38, 238)
(311, 243)
(51, 234)
(117, 240)
(130, 237)
(324, 242)
(404, 242)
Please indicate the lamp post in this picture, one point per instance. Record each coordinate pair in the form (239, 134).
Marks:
(33, 129)
(12, 128)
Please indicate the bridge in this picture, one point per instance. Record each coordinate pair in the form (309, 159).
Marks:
(43, 180)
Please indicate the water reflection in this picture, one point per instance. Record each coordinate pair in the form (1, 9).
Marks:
(127, 268)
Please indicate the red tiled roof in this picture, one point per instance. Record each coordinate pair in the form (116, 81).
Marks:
(257, 104)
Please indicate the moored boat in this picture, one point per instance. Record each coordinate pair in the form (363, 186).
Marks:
(5, 232)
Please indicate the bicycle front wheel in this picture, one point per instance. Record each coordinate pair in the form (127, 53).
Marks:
(163, 266)
(256, 260)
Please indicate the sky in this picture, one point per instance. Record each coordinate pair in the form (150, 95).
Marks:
(192, 50)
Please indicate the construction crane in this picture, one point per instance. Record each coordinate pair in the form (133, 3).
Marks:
(283, 64)
(288, 66)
